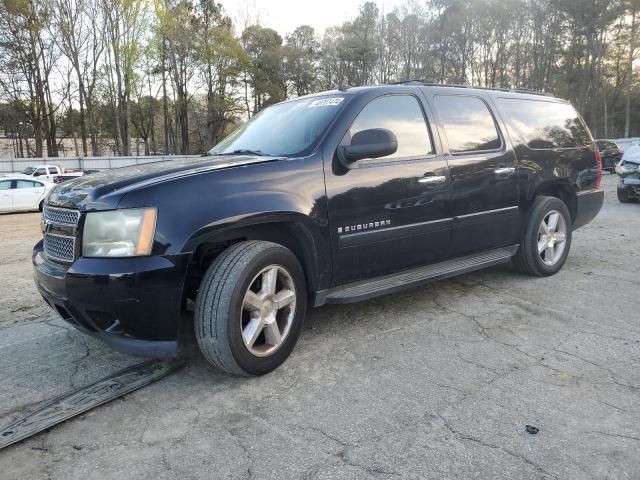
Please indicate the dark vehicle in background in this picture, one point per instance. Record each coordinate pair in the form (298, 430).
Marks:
(331, 198)
(629, 172)
(64, 177)
(610, 153)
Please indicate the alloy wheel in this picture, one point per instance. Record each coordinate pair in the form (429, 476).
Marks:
(268, 310)
(552, 236)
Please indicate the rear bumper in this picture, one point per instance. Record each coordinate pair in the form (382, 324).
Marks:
(588, 204)
(131, 304)
(610, 162)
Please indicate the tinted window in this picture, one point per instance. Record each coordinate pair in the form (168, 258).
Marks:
(26, 184)
(545, 125)
(468, 123)
(40, 171)
(403, 116)
(5, 185)
(285, 129)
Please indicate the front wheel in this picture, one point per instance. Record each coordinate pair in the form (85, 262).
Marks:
(624, 195)
(250, 308)
(547, 238)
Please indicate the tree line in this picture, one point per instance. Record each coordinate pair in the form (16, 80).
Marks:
(177, 75)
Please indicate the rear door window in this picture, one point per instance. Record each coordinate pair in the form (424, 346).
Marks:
(27, 184)
(544, 124)
(468, 123)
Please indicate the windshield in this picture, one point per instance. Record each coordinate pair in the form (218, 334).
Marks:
(285, 129)
(28, 171)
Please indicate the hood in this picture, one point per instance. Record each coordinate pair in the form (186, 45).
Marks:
(632, 155)
(77, 193)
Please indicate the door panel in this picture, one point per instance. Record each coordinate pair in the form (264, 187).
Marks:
(27, 194)
(391, 213)
(484, 181)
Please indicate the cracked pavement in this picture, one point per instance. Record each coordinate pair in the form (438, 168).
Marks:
(436, 382)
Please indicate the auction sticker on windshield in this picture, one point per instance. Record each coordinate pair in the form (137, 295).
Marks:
(326, 102)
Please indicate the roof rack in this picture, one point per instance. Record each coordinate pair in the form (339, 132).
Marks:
(500, 89)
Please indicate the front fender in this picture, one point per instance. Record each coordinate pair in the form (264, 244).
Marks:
(205, 207)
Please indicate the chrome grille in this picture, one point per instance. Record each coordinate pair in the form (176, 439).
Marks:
(60, 216)
(59, 247)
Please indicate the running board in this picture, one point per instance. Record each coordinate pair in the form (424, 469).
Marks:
(366, 289)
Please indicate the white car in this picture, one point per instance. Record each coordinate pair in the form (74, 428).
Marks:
(19, 193)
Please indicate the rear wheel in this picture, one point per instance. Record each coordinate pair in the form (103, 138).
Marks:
(250, 308)
(624, 195)
(547, 238)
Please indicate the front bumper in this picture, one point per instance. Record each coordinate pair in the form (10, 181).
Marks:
(630, 182)
(588, 204)
(131, 304)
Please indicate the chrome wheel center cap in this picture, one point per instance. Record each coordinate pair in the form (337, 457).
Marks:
(268, 310)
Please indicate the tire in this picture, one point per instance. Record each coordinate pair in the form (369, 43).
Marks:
(222, 314)
(528, 259)
(624, 196)
(612, 170)
(41, 205)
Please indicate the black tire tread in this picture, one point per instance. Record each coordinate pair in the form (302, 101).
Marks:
(214, 297)
(623, 196)
(524, 259)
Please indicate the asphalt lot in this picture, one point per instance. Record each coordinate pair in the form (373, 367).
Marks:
(436, 382)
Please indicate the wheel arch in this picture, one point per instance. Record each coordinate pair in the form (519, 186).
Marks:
(560, 189)
(292, 232)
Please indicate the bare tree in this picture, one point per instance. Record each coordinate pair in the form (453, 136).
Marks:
(125, 28)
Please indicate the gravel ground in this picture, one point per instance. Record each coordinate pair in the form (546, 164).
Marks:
(19, 299)
(436, 382)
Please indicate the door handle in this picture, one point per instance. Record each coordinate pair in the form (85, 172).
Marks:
(433, 180)
(504, 171)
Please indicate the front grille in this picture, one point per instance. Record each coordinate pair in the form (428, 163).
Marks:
(60, 216)
(59, 247)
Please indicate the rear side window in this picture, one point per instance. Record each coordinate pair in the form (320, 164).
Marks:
(468, 123)
(403, 116)
(546, 125)
(27, 184)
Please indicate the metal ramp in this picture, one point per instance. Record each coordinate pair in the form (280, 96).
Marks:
(84, 399)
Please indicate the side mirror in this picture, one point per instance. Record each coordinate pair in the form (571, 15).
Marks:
(36, 174)
(371, 143)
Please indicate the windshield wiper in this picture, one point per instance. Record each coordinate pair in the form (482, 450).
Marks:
(244, 151)
(240, 151)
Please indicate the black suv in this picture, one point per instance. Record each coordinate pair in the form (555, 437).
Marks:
(331, 198)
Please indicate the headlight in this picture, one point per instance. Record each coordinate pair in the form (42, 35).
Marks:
(119, 233)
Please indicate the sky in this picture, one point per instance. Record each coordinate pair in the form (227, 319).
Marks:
(285, 15)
